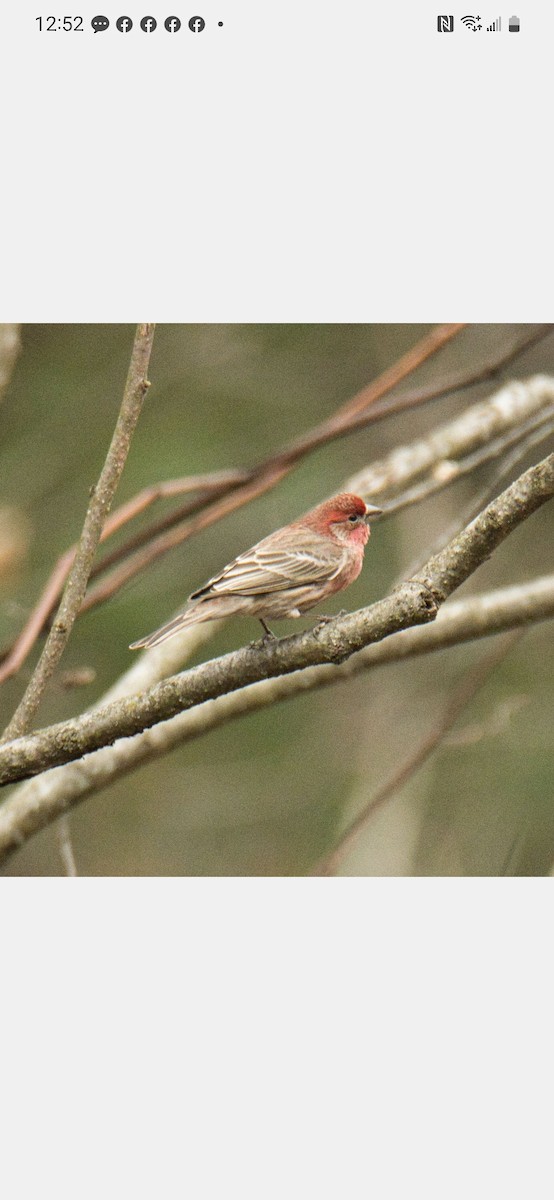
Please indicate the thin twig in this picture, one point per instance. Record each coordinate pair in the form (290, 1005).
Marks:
(211, 506)
(65, 846)
(175, 537)
(519, 443)
(415, 603)
(509, 458)
(211, 482)
(339, 425)
(170, 532)
(251, 483)
(472, 681)
(43, 609)
(221, 507)
(220, 483)
(100, 503)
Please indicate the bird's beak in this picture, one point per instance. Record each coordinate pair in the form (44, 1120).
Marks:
(371, 512)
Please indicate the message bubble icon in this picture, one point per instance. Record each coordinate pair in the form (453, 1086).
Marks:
(99, 24)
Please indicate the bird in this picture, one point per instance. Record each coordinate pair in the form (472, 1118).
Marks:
(285, 574)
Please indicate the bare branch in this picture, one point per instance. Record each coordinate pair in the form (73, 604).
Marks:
(33, 628)
(443, 456)
(41, 800)
(516, 415)
(415, 602)
(177, 527)
(505, 452)
(515, 411)
(247, 484)
(472, 681)
(215, 481)
(101, 500)
(406, 365)
(157, 739)
(65, 846)
(370, 405)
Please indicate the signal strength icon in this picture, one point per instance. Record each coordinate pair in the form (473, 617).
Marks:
(495, 27)
(472, 23)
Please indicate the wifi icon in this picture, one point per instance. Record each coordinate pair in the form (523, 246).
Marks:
(473, 23)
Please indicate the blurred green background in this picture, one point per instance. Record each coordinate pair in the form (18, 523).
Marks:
(266, 795)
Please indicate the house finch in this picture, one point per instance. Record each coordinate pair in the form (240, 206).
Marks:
(285, 574)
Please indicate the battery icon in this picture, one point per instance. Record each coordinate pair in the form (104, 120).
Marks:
(513, 25)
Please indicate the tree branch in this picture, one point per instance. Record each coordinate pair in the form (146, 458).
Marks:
(98, 509)
(520, 414)
(40, 801)
(415, 602)
(367, 407)
(371, 404)
(514, 411)
(220, 486)
(440, 458)
(472, 681)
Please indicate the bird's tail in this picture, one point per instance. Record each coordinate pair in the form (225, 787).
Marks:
(166, 631)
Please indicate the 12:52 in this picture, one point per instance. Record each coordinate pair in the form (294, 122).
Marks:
(53, 24)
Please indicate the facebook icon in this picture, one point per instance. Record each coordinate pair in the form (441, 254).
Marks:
(124, 24)
(196, 24)
(172, 24)
(148, 24)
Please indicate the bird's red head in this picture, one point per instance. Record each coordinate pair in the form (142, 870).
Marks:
(344, 516)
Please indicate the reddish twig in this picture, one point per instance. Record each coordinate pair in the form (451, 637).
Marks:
(334, 427)
(205, 484)
(221, 492)
(37, 621)
(174, 537)
(43, 610)
(249, 484)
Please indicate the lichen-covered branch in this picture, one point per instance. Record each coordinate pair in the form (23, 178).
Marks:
(415, 602)
(41, 800)
(481, 432)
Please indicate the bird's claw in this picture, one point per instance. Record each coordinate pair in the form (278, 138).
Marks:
(324, 619)
(265, 640)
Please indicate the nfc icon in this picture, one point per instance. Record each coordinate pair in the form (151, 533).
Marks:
(445, 24)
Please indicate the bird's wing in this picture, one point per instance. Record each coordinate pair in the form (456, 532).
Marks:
(277, 565)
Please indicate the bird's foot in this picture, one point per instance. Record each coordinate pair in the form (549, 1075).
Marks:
(268, 636)
(268, 639)
(324, 618)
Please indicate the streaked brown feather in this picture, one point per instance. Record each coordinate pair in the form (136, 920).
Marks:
(273, 566)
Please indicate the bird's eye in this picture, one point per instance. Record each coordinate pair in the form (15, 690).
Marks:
(354, 517)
